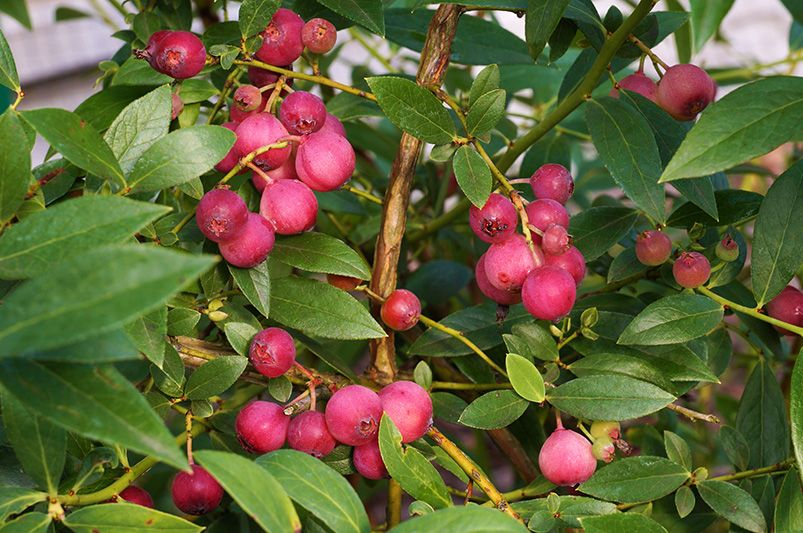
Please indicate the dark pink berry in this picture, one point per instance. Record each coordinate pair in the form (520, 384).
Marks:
(401, 310)
(261, 427)
(499, 296)
(333, 125)
(261, 77)
(727, 249)
(549, 293)
(231, 159)
(410, 408)
(221, 215)
(507, 263)
(543, 212)
(290, 206)
(691, 269)
(353, 414)
(787, 307)
(302, 113)
(572, 261)
(556, 240)
(282, 44)
(308, 433)
(653, 247)
(237, 115)
(685, 90)
(197, 493)
(177, 106)
(178, 54)
(287, 171)
(368, 461)
(272, 352)
(319, 35)
(137, 495)
(637, 83)
(258, 131)
(325, 161)
(252, 245)
(247, 98)
(566, 458)
(552, 181)
(496, 221)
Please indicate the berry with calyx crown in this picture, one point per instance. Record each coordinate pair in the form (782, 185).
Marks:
(281, 40)
(401, 310)
(605, 428)
(685, 90)
(258, 131)
(552, 181)
(653, 247)
(497, 295)
(496, 221)
(221, 215)
(272, 352)
(178, 54)
(691, 269)
(543, 212)
(353, 414)
(727, 249)
(319, 35)
(556, 240)
(302, 113)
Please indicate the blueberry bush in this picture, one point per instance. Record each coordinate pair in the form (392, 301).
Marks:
(541, 281)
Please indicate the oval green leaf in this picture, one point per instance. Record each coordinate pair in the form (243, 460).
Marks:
(596, 229)
(608, 397)
(636, 479)
(469, 519)
(122, 517)
(214, 377)
(525, 378)
(733, 504)
(493, 410)
(318, 252)
(473, 175)
(255, 285)
(630, 522)
(15, 165)
(673, 319)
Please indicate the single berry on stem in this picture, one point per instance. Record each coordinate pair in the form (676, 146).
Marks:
(178, 54)
(685, 90)
(787, 307)
(247, 98)
(507, 263)
(496, 221)
(281, 40)
(566, 458)
(289, 205)
(549, 293)
(691, 270)
(497, 295)
(353, 414)
(653, 247)
(261, 427)
(552, 181)
(638, 83)
(272, 352)
(368, 461)
(572, 261)
(410, 408)
(325, 161)
(221, 215)
(252, 245)
(197, 493)
(556, 240)
(308, 433)
(319, 35)
(137, 495)
(302, 113)
(401, 310)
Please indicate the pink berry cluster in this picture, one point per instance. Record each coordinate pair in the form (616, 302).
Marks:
(683, 91)
(544, 277)
(568, 458)
(690, 269)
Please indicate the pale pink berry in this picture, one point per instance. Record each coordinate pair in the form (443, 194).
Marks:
(221, 215)
(410, 408)
(252, 245)
(290, 206)
(499, 296)
(685, 90)
(368, 461)
(258, 131)
(272, 352)
(653, 248)
(637, 83)
(691, 269)
(325, 161)
(566, 458)
(308, 433)
(543, 212)
(319, 36)
(302, 113)
(353, 414)
(556, 240)
(281, 40)
(572, 261)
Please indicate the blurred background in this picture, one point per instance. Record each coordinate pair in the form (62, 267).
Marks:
(58, 59)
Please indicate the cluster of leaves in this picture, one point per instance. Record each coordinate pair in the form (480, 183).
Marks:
(112, 301)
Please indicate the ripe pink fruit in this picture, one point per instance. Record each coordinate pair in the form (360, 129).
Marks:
(572, 261)
(272, 352)
(252, 245)
(653, 247)
(319, 35)
(788, 307)
(261, 427)
(256, 131)
(556, 240)
(325, 161)
(221, 215)
(261, 77)
(401, 310)
(543, 212)
(247, 98)
(548, 293)
(552, 181)
(308, 433)
(302, 113)
(691, 269)
(333, 125)
(290, 206)
(685, 90)
(499, 296)
(178, 54)
(137, 495)
(638, 83)
(368, 461)
(177, 106)
(197, 493)
(282, 42)
(353, 414)
(410, 408)
(507, 263)
(496, 221)
(566, 458)
(287, 171)
(231, 159)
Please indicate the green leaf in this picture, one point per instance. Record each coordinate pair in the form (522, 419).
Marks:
(410, 468)
(596, 229)
(34, 522)
(608, 397)
(789, 507)
(540, 21)
(677, 450)
(636, 479)
(319, 309)
(684, 501)
(91, 293)
(255, 285)
(525, 378)
(413, 109)
(624, 365)
(796, 412)
(122, 517)
(624, 265)
(486, 112)
(94, 401)
(473, 175)
(673, 319)
(111, 347)
(148, 334)
(14, 500)
(367, 13)
(627, 148)
(182, 321)
(735, 447)
(19, 10)
(214, 377)
(761, 418)
(239, 335)
(318, 489)
(493, 410)
(733, 206)
(531, 340)
(318, 252)
(254, 489)
(255, 15)
(487, 80)
(102, 108)
(143, 122)
(468, 519)
(8, 68)
(35, 244)
(200, 149)
(630, 522)
(777, 241)
(706, 16)
(748, 122)
(15, 165)
(733, 504)
(79, 142)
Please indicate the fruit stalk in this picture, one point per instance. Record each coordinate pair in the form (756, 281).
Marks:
(748, 311)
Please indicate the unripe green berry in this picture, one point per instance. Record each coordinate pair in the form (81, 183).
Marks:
(603, 449)
(608, 429)
(727, 249)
